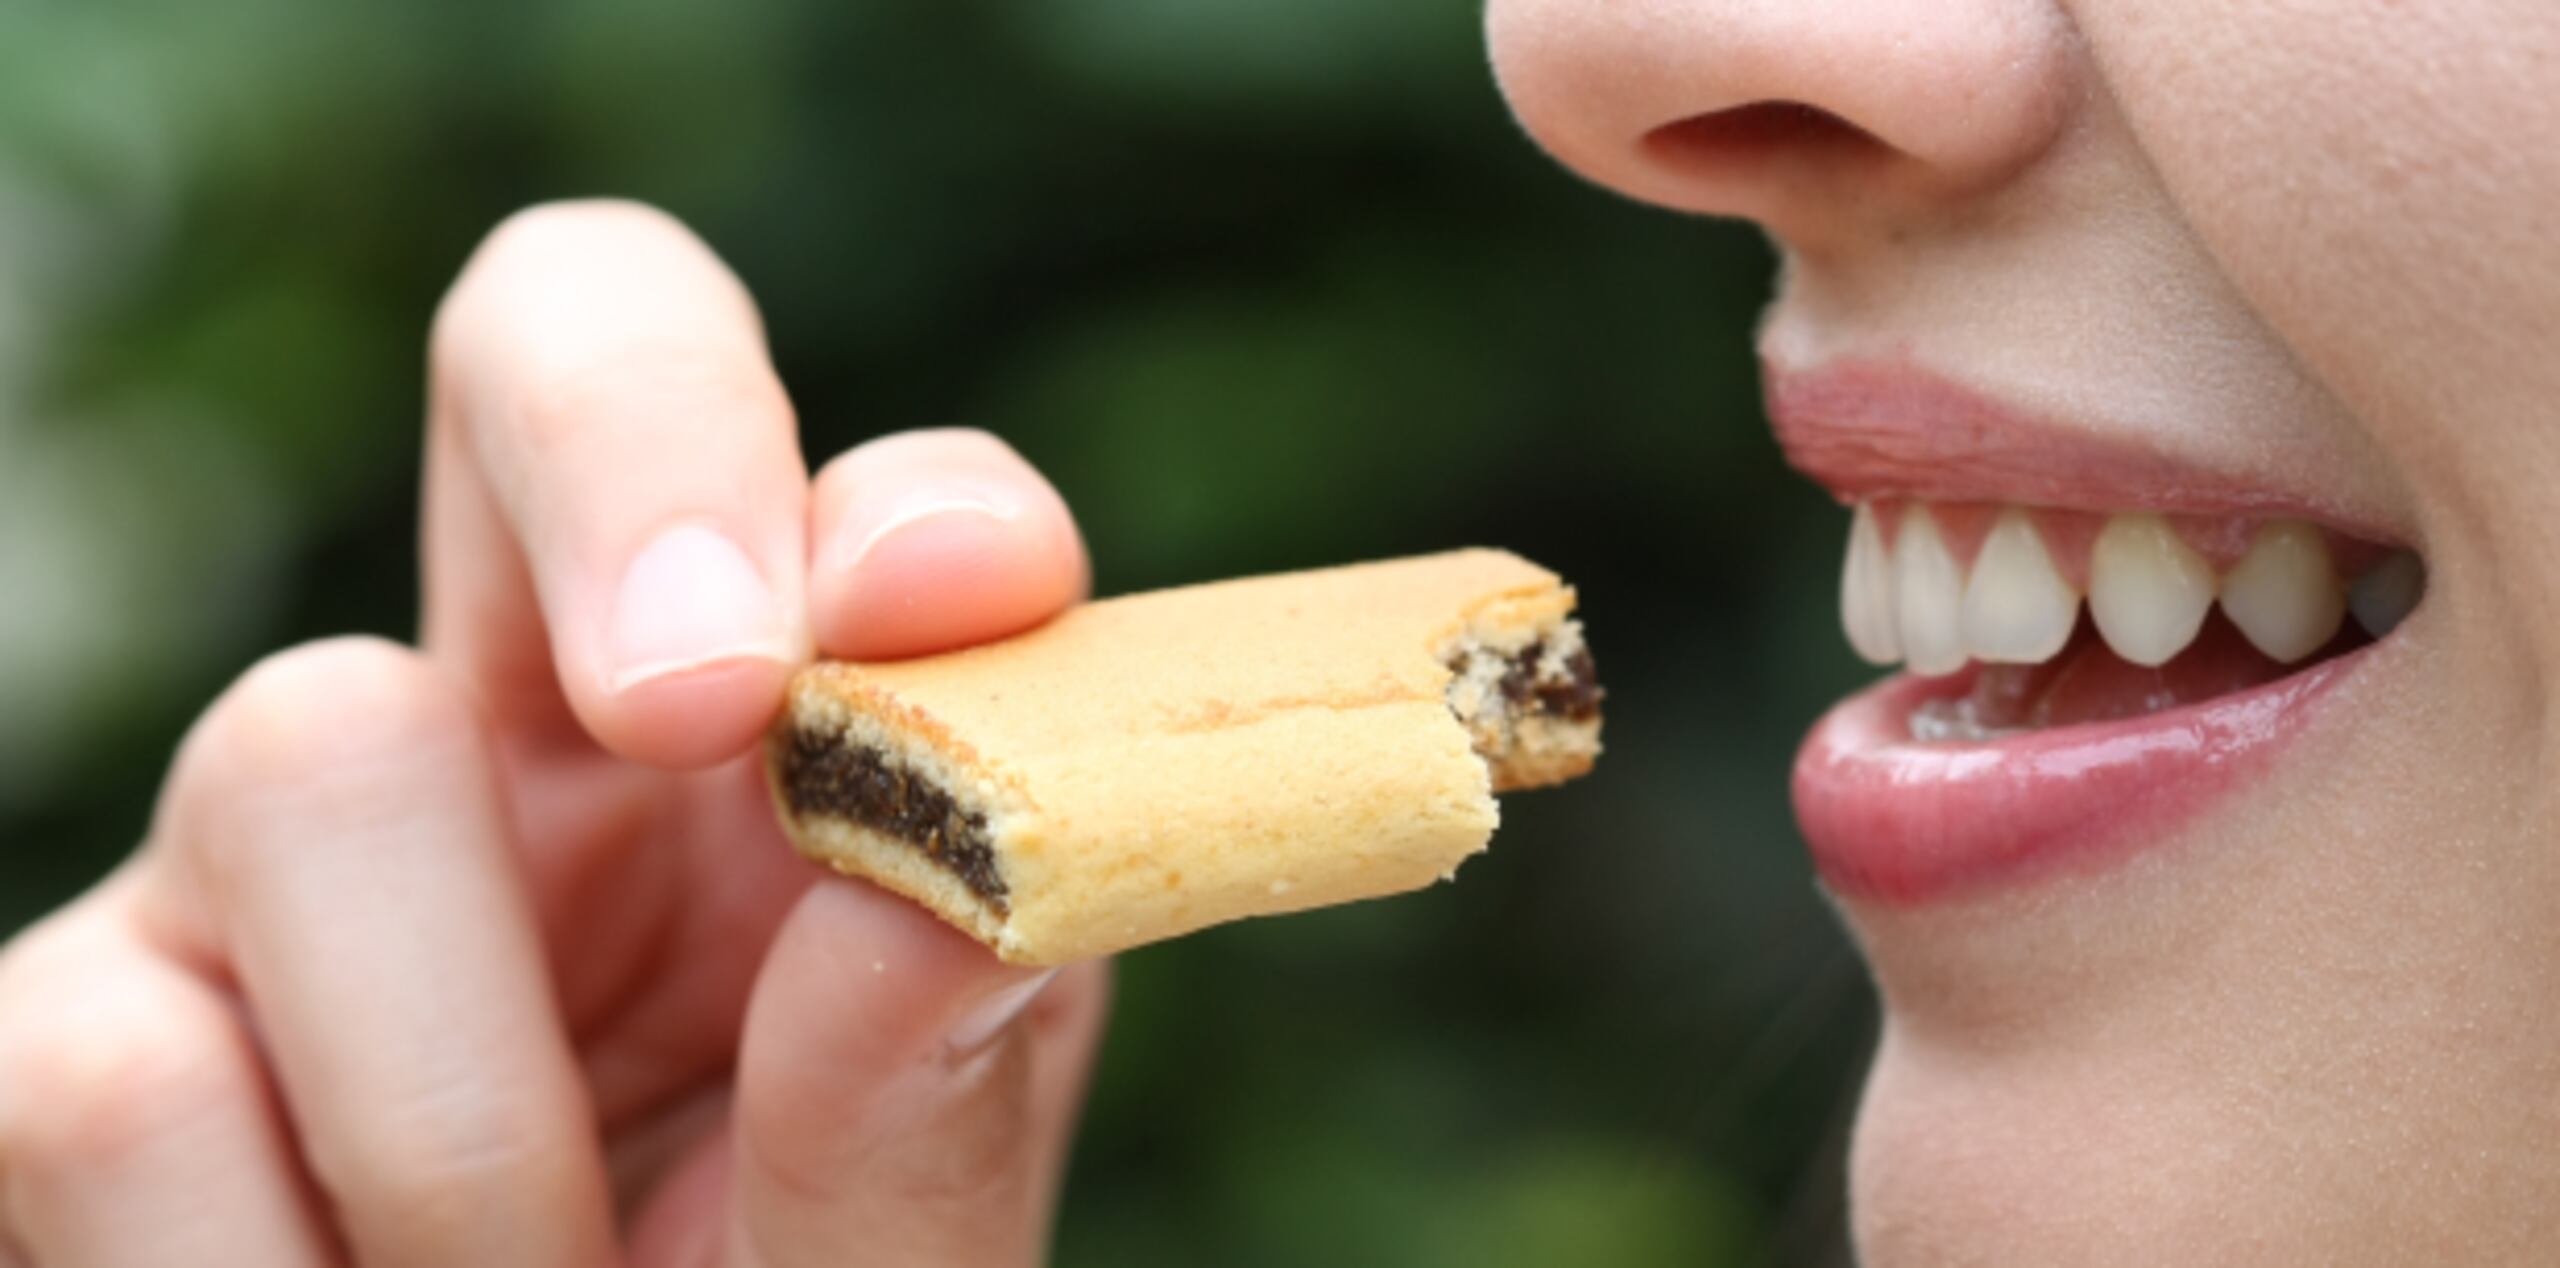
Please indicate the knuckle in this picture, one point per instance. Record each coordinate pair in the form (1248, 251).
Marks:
(31, 957)
(957, 1151)
(445, 1161)
(324, 703)
(109, 1069)
(303, 716)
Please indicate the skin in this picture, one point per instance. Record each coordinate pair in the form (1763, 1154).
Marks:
(489, 951)
(2282, 239)
(2302, 243)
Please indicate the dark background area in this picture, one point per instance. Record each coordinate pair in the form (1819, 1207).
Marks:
(1260, 283)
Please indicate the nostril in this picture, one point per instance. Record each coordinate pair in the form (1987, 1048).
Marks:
(1741, 137)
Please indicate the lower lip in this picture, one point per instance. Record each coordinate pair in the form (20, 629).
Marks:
(1896, 821)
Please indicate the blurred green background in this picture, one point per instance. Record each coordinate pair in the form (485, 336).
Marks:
(1260, 283)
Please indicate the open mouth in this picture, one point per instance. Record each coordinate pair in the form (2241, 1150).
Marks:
(2079, 679)
(2069, 617)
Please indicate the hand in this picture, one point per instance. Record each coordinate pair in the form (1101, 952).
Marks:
(490, 953)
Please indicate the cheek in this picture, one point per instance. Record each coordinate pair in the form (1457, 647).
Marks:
(2375, 178)
(2374, 174)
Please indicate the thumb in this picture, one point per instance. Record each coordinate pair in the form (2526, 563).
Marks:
(903, 1097)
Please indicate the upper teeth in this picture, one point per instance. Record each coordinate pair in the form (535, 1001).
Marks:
(2148, 591)
(1928, 594)
(2017, 607)
(2283, 594)
(1866, 591)
(2382, 598)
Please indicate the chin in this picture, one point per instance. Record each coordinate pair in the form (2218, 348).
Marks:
(1996, 1166)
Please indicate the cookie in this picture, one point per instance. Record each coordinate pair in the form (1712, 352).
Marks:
(1145, 766)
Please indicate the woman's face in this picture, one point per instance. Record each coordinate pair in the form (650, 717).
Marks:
(2256, 955)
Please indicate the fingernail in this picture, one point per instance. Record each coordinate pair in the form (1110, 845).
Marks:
(691, 598)
(865, 534)
(979, 1027)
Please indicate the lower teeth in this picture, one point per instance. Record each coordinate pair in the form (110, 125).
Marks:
(1956, 721)
(2087, 682)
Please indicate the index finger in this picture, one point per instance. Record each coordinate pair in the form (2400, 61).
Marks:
(615, 502)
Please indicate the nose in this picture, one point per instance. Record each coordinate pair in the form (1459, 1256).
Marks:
(1802, 114)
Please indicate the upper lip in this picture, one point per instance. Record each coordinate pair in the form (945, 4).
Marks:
(1875, 428)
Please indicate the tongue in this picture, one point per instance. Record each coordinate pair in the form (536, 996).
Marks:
(2089, 683)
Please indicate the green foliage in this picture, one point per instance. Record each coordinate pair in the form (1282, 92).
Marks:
(1262, 283)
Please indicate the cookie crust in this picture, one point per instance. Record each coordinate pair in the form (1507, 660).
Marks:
(1145, 766)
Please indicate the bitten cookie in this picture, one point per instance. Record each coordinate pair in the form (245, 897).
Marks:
(1145, 766)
